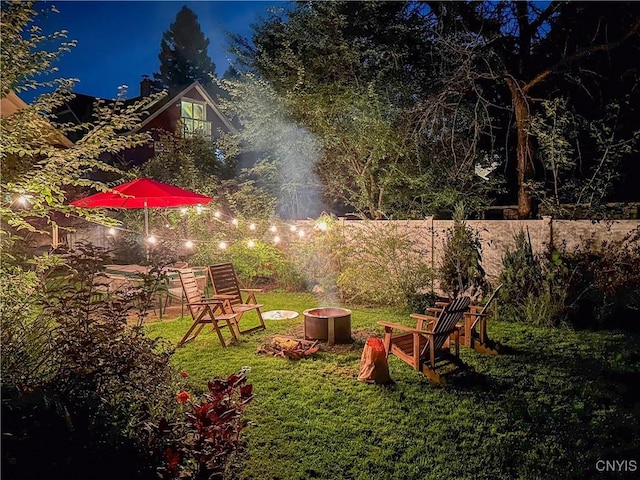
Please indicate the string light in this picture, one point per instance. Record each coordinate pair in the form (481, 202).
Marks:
(251, 244)
(235, 221)
(252, 226)
(112, 231)
(23, 200)
(198, 209)
(183, 211)
(222, 245)
(273, 229)
(188, 244)
(322, 226)
(276, 239)
(151, 239)
(301, 233)
(217, 214)
(293, 228)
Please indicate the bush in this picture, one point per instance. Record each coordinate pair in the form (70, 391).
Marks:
(528, 292)
(200, 444)
(380, 264)
(90, 382)
(461, 265)
(603, 282)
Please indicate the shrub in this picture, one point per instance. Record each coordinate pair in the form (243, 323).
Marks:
(460, 268)
(77, 405)
(380, 264)
(199, 445)
(603, 282)
(528, 293)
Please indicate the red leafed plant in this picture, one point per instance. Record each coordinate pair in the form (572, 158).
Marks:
(199, 447)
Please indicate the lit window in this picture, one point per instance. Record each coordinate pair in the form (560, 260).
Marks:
(194, 119)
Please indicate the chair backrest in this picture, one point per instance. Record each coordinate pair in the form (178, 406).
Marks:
(225, 281)
(192, 293)
(488, 304)
(449, 318)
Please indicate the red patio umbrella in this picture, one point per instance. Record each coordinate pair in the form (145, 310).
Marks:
(143, 193)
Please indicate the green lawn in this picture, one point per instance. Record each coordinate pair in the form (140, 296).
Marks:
(552, 406)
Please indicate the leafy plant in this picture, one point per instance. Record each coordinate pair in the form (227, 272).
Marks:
(76, 375)
(199, 445)
(381, 264)
(460, 268)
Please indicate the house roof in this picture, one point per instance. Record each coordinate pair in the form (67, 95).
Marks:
(156, 108)
(79, 109)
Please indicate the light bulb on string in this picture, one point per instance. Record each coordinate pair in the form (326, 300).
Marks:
(301, 233)
(252, 226)
(199, 209)
(151, 239)
(235, 221)
(217, 214)
(23, 200)
(188, 244)
(273, 229)
(183, 211)
(276, 239)
(322, 226)
(293, 228)
(112, 231)
(251, 244)
(222, 245)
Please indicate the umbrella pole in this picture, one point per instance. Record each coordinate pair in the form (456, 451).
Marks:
(146, 219)
(146, 229)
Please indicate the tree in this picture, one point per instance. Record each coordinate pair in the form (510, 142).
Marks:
(350, 73)
(533, 43)
(37, 174)
(183, 53)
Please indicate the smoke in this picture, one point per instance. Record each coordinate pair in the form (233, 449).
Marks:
(286, 152)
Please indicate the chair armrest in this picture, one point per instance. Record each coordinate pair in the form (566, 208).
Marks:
(399, 326)
(434, 309)
(224, 297)
(419, 316)
(442, 304)
(206, 302)
(254, 290)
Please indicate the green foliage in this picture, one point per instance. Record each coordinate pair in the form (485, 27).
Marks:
(39, 165)
(530, 292)
(602, 281)
(381, 265)
(75, 375)
(571, 192)
(190, 163)
(460, 268)
(183, 53)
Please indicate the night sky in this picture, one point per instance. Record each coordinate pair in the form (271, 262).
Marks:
(119, 41)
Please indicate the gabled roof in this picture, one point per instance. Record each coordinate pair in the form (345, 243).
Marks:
(156, 108)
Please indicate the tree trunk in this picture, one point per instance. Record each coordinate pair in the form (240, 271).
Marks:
(524, 158)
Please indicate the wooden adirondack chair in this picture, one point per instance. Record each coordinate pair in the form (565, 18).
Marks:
(206, 311)
(475, 328)
(225, 282)
(426, 347)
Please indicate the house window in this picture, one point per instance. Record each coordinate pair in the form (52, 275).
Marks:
(194, 119)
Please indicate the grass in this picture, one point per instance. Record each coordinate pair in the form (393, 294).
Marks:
(551, 407)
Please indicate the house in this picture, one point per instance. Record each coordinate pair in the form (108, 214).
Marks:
(188, 112)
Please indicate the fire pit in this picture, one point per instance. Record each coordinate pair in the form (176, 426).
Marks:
(332, 324)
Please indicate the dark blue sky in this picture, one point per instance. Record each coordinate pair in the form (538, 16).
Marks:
(119, 41)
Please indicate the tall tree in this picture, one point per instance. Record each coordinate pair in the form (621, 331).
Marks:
(183, 53)
(534, 44)
(348, 72)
